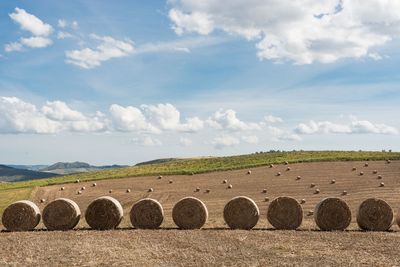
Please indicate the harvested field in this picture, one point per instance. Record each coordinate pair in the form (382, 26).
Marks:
(216, 244)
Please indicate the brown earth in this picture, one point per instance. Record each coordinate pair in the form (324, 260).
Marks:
(216, 245)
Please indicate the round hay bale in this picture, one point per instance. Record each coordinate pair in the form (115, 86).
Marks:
(286, 163)
(42, 200)
(190, 213)
(332, 214)
(310, 213)
(375, 172)
(128, 190)
(104, 213)
(77, 181)
(266, 199)
(333, 181)
(150, 190)
(365, 164)
(61, 214)
(62, 188)
(388, 161)
(361, 173)
(344, 193)
(382, 184)
(208, 190)
(147, 214)
(170, 181)
(110, 191)
(159, 177)
(264, 191)
(288, 169)
(94, 184)
(285, 213)
(374, 215)
(298, 177)
(312, 185)
(302, 201)
(379, 177)
(271, 165)
(241, 213)
(83, 188)
(248, 172)
(278, 174)
(79, 192)
(197, 189)
(225, 181)
(22, 215)
(317, 191)
(230, 186)
(354, 169)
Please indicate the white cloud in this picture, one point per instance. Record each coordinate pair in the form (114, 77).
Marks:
(227, 120)
(147, 141)
(224, 141)
(303, 31)
(14, 46)
(183, 141)
(278, 134)
(130, 119)
(31, 23)
(74, 25)
(62, 23)
(251, 139)
(60, 111)
(273, 119)
(36, 42)
(354, 127)
(63, 35)
(108, 48)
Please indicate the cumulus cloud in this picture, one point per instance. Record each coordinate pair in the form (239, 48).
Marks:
(273, 119)
(279, 134)
(251, 139)
(224, 141)
(354, 127)
(227, 120)
(31, 23)
(303, 32)
(108, 48)
(35, 26)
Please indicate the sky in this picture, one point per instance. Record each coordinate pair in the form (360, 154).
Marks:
(120, 82)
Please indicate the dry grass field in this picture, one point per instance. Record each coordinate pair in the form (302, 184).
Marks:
(216, 244)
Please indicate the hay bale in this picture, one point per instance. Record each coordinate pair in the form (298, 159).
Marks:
(388, 161)
(225, 181)
(61, 214)
(22, 215)
(197, 189)
(248, 172)
(382, 184)
(285, 213)
(288, 169)
(159, 177)
(332, 214)
(266, 199)
(83, 188)
(344, 193)
(278, 174)
(62, 188)
(374, 215)
(42, 200)
(208, 190)
(333, 181)
(286, 163)
(79, 192)
(190, 213)
(150, 190)
(271, 165)
(104, 213)
(94, 185)
(264, 191)
(310, 213)
(128, 190)
(365, 164)
(354, 169)
(170, 181)
(230, 186)
(317, 191)
(241, 213)
(361, 173)
(147, 214)
(298, 177)
(302, 201)
(379, 177)
(375, 172)
(77, 181)
(312, 185)
(110, 191)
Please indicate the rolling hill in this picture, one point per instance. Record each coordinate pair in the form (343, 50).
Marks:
(64, 168)
(9, 174)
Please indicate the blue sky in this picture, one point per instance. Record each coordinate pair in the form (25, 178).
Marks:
(126, 81)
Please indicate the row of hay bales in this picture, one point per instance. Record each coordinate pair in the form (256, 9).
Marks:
(284, 213)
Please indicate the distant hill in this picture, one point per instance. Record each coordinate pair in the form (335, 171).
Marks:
(156, 161)
(28, 167)
(76, 167)
(10, 174)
